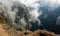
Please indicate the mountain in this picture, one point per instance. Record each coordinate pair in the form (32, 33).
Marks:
(50, 18)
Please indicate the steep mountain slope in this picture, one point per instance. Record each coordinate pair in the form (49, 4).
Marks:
(3, 32)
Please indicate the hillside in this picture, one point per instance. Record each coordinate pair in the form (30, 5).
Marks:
(5, 30)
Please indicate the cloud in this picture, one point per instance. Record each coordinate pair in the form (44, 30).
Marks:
(27, 2)
(35, 4)
(32, 4)
(51, 4)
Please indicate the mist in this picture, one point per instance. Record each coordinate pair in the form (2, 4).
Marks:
(37, 9)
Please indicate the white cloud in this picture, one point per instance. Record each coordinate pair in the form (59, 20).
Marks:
(32, 4)
(27, 2)
(52, 4)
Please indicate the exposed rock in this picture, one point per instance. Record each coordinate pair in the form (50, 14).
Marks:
(37, 33)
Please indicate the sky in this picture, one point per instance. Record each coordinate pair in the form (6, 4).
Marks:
(52, 4)
(35, 4)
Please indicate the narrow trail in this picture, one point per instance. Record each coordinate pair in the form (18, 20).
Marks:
(3, 32)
